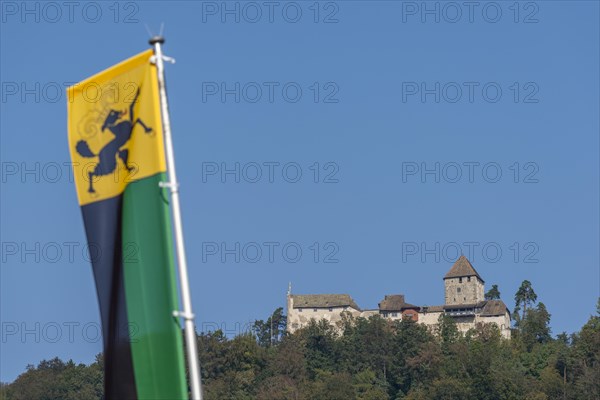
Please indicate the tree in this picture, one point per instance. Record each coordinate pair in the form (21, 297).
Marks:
(535, 327)
(270, 332)
(368, 387)
(447, 389)
(278, 388)
(447, 331)
(55, 379)
(525, 297)
(320, 346)
(493, 293)
(425, 366)
(332, 386)
(415, 356)
(366, 345)
(289, 360)
(586, 356)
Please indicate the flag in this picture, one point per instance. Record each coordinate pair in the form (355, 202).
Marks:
(116, 145)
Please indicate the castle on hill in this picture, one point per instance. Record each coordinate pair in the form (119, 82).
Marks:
(464, 302)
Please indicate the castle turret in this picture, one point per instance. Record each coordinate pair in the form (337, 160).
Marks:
(463, 284)
(289, 299)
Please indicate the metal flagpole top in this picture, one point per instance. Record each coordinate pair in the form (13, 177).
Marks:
(156, 39)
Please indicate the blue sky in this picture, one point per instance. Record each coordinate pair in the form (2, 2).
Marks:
(418, 134)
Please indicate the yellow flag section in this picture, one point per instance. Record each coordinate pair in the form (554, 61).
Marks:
(115, 129)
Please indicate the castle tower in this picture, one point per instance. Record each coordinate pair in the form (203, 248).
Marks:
(463, 284)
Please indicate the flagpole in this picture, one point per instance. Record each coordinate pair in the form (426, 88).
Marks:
(186, 314)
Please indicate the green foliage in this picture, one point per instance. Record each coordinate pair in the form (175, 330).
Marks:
(447, 331)
(369, 359)
(271, 331)
(534, 328)
(56, 379)
(493, 293)
(368, 387)
(524, 298)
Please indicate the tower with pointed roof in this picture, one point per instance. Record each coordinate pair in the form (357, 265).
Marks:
(463, 284)
(464, 302)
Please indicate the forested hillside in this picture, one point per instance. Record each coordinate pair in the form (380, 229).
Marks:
(373, 359)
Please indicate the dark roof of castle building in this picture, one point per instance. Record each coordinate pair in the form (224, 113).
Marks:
(462, 267)
(394, 302)
(323, 301)
(489, 308)
(493, 308)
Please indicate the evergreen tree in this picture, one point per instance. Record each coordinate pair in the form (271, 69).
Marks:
(525, 297)
(535, 328)
(493, 293)
(271, 331)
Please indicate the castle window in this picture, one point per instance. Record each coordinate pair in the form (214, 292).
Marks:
(468, 279)
(394, 314)
(458, 290)
(330, 309)
(385, 315)
(299, 310)
(459, 280)
(314, 310)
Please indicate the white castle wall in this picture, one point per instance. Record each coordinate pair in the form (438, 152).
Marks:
(298, 319)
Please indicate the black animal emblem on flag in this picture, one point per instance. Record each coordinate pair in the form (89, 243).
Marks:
(122, 129)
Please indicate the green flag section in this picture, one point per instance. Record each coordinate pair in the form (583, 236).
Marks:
(116, 144)
(150, 291)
